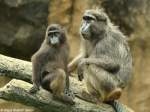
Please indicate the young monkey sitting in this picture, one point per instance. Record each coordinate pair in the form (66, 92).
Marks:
(49, 65)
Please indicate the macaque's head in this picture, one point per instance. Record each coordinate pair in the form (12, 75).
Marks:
(94, 23)
(55, 35)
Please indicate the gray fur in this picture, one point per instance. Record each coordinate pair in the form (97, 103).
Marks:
(107, 58)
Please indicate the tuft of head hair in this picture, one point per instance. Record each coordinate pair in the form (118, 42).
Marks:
(57, 28)
(111, 27)
(54, 27)
(100, 9)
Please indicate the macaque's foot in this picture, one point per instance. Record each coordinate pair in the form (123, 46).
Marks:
(90, 98)
(69, 93)
(114, 95)
(33, 89)
(65, 98)
(80, 76)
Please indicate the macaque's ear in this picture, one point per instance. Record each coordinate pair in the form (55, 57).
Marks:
(63, 34)
(64, 30)
(46, 33)
(63, 37)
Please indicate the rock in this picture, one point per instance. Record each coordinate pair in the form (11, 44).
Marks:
(23, 24)
(61, 16)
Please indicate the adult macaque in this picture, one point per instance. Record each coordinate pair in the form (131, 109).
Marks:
(105, 60)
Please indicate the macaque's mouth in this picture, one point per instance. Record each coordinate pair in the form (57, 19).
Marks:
(54, 40)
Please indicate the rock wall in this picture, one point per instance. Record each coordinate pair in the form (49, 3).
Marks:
(22, 26)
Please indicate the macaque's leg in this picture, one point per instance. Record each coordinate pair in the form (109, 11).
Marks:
(107, 83)
(58, 87)
(58, 83)
(89, 97)
(67, 90)
(89, 94)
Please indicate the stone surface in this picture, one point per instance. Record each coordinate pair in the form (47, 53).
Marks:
(23, 24)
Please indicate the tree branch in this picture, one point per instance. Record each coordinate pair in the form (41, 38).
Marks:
(17, 90)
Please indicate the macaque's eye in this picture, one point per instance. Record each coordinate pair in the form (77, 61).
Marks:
(89, 18)
(102, 19)
(57, 34)
(50, 34)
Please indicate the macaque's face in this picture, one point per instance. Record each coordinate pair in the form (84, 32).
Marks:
(55, 35)
(92, 24)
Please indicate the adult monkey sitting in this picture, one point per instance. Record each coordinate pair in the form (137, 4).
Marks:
(105, 60)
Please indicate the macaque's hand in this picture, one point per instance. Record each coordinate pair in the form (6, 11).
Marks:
(80, 71)
(80, 75)
(70, 68)
(81, 65)
(83, 62)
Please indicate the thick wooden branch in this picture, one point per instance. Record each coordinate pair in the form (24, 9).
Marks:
(19, 69)
(17, 90)
(15, 68)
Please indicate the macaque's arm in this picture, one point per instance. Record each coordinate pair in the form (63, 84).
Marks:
(73, 64)
(36, 70)
(104, 62)
(38, 61)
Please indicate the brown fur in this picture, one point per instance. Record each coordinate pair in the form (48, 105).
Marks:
(49, 65)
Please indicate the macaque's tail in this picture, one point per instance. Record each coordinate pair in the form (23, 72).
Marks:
(117, 106)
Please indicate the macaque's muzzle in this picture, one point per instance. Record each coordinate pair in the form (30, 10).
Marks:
(54, 40)
(53, 37)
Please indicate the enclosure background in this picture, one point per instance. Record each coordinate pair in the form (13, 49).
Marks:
(23, 24)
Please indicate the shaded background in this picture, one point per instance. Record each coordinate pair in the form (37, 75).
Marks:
(23, 24)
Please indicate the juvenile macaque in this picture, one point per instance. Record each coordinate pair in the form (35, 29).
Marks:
(49, 65)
